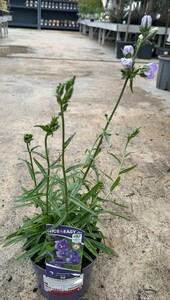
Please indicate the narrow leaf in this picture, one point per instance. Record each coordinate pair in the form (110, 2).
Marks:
(115, 183)
(82, 205)
(119, 161)
(102, 247)
(127, 170)
(41, 168)
(67, 142)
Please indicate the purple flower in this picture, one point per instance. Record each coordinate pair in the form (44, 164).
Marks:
(57, 262)
(151, 69)
(63, 253)
(126, 62)
(128, 49)
(62, 244)
(74, 257)
(146, 21)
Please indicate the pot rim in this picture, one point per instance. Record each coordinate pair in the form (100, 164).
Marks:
(164, 57)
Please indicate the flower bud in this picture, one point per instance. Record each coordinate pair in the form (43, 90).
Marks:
(126, 62)
(146, 21)
(128, 50)
(28, 138)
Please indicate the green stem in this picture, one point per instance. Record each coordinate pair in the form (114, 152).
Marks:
(120, 166)
(32, 166)
(63, 163)
(105, 128)
(48, 175)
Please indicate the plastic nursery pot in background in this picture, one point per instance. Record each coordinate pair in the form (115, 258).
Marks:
(40, 272)
(145, 51)
(119, 46)
(163, 51)
(163, 78)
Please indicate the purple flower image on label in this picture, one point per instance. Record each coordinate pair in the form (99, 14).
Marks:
(57, 262)
(63, 253)
(62, 244)
(128, 49)
(74, 257)
(146, 21)
(151, 69)
(126, 62)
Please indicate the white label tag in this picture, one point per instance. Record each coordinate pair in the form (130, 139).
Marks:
(76, 238)
(63, 286)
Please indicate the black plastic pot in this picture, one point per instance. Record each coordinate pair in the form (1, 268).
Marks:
(145, 51)
(87, 275)
(163, 78)
(163, 51)
(119, 46)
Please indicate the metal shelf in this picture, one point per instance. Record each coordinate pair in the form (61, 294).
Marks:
(22, 6)
(60, 27)
(31, 16)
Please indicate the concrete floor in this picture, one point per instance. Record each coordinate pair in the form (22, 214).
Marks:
(27, 86)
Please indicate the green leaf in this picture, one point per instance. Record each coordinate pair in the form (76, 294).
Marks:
(67, 142)
(13, 240)
(74, 167)
(39, 154)
(53, 203)
(56, 161)
(30, 170)
(38, 187)
(23, 205)
(122, 171)
(111, 201)
(119, 161)
(86, 255)
(102, 211)
(106, 175)
(90, 246)
(41, 168)
(35, 147)
(94, 191)
(115, 183)
(82, 205)
(32, 224)
(102, 247)
(81, 220)
(31, 252)
(95, 235)
(94, 168)
(27, 197)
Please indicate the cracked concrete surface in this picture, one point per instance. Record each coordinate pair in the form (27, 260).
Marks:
(28, 80)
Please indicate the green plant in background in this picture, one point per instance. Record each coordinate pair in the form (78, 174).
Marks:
(90, 7)
(67, 195)
(3, 6)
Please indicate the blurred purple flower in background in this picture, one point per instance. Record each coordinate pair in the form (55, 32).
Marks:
(151, 69)
(126, 62)
(62, 244)
(128, 49)
(146, 21)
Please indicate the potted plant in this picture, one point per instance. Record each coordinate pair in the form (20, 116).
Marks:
(3, 6)
(69, 199)
(90, 9)
(121, 43)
